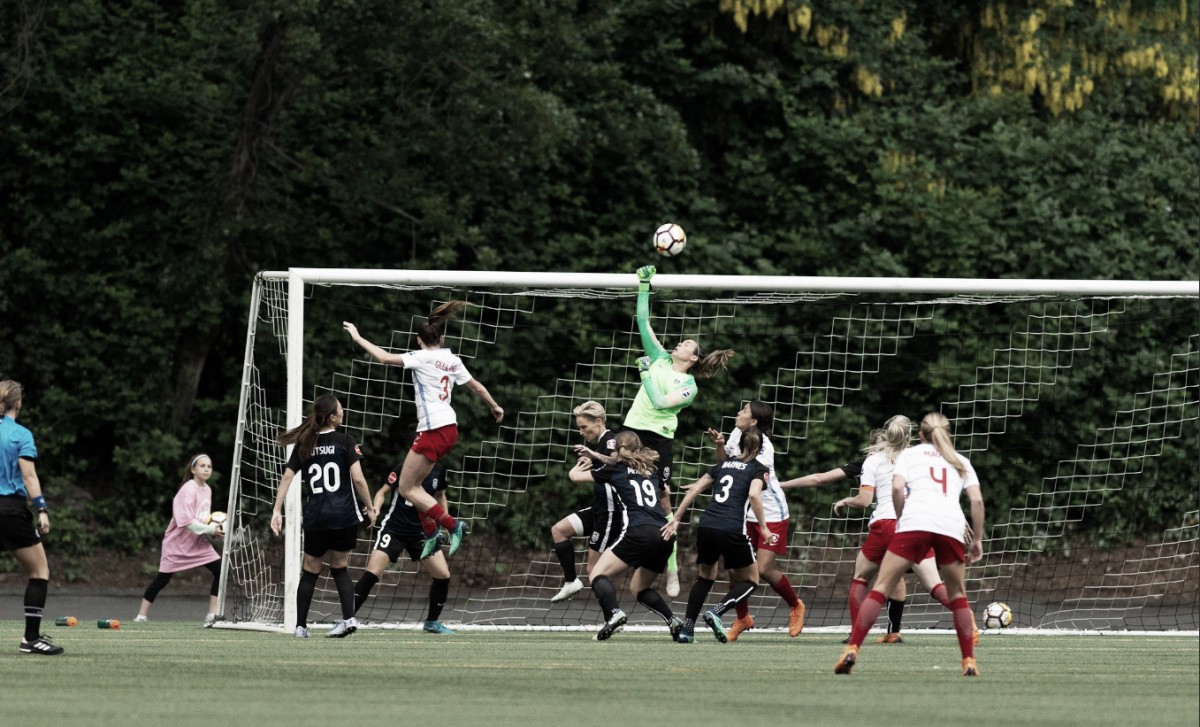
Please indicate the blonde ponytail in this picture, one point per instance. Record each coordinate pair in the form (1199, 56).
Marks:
(935, 429)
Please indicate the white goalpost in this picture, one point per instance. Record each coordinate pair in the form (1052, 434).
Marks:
(1078, 401)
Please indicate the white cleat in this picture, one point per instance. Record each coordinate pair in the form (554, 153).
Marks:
(569, 589)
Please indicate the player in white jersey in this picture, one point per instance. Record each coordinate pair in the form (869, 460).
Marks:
(760, 414)
(436, 371)
(926, 486)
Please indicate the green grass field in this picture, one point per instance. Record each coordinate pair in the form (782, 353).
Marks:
(178, 674)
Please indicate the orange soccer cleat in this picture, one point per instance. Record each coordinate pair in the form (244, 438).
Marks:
(846, 663)
(969, 668)
(892, 638)
(740, 625)
(796, 619)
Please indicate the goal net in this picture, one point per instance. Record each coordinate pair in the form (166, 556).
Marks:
(1077, 401)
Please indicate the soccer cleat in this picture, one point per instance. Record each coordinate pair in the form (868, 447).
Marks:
(846, 663)
(796, 619)
(436, 627)
(40, 645)
(714, 622)
(569, 589)
(675, 627)
(140, 619)
(672, 583)
(456, 537)
(430, 545)
(615, 623)
(686, 636)
(738, 626)
(342, 628)
(209, 620)
(892, 638)
(300, 632)
(969, 668)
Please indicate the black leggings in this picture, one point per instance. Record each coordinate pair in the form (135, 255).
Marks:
(162, 579)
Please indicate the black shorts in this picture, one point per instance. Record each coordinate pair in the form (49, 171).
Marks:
(395, 543)
(16, 524)
(666, 452)
(319, 542)
(713, 544)
(603, 528)
(643, 547)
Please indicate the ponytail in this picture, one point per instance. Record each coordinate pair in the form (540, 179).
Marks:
(304, 436)
(751, 444)
(713, 363)
(632, 454)
(893, 438)
(431, 331)
(11, 393)
(935, 429)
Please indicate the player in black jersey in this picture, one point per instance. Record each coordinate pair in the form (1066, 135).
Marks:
(402, 530)
(737, 485)
(335, 499)
(636, 482)
(604, 520)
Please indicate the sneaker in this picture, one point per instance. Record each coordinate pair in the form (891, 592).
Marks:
(846, 663)
(615, 623)
(796, 619)
(456, 537)
(342, 628)
(969, 668)
(429, 545)
(300, 632)
(569, 589)
(892, 638)
(714, 622)
(738, 626)
(686, 636)
(40, 645)
(140, 619)
(675, 627)
(436, 627)
(673, 583)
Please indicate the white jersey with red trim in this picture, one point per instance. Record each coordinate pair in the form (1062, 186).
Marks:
(877, 472)
(774, 501)
(434, 374)
(933, 489)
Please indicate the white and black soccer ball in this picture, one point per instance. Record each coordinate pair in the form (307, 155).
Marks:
(669, 239)
(997, 616)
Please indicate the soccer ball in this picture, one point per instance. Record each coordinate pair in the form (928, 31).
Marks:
(669, 240)
(997, 616)
(217, 518)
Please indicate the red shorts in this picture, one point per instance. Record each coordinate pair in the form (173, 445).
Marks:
(917, 545)
(432, 444)
(780, 528)
(878, 537)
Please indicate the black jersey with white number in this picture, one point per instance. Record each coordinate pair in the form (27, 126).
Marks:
(402, 519)
(605, 498)
(731, 494)
(330, 502)
(637, 492)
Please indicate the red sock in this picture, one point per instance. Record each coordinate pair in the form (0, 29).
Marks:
(428, 525)
(742, 608)
(867, 613)
(858, 591)
(784, 589)
(939, 593)
(439, 516)
(964, 625)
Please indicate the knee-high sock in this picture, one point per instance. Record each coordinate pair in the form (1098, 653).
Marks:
(304, 596)
(35, 606)
(441, 517)
(964, 625)
(651, 599)
(742, 608)
(737, 593)
(867, 613)
(362, 589)
(939, 593)
(696, 598)
(565, 552)
(438, 590)
(345, 589)
(858, 591)
(784, 589)
(606, 595)
(895, 615)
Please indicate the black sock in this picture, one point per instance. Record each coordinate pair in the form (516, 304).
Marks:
(345, 589)
(700, 591)
(304, 596)
(895, 613)
(651, 599)
(35, 605)
(606, 595)
(738, 592)
(438, 590)
(566, 557)
(362, 589)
